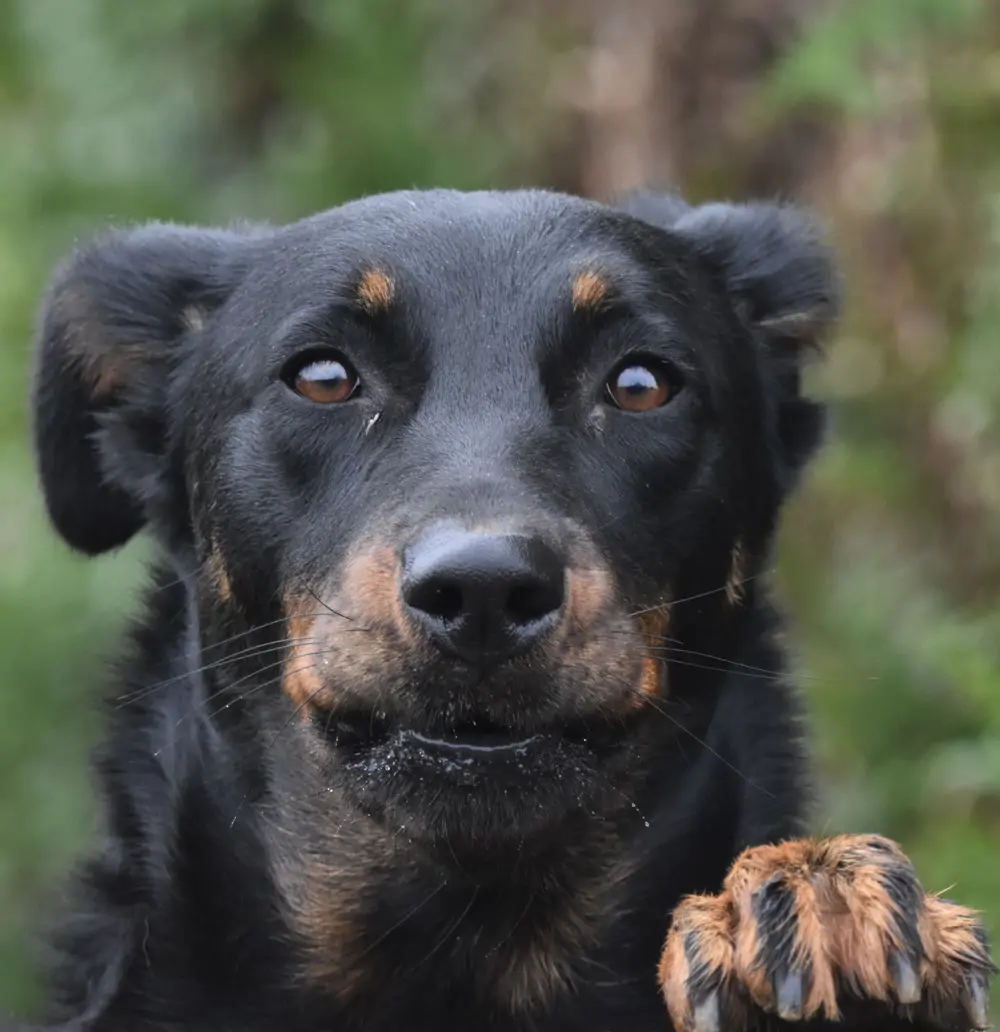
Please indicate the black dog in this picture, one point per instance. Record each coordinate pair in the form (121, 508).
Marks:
(458, 678)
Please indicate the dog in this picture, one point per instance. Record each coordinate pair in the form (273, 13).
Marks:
(459, 700)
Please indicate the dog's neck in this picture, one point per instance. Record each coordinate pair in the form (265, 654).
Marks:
(513, 934)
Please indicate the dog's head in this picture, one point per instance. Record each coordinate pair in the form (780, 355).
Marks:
(450, 475)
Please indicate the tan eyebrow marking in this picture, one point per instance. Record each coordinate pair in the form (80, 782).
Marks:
(375, 290)
(590, 288)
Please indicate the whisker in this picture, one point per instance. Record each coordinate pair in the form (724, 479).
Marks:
(251, 652)
(690, 598)
(762, 676)
(675, 648)
(328, 607)
(298, 709)
(681, 727)
(736, 665)
(268, 682)
(261, 627)
(271, 680)
(450, 930)
(141, 693)
(513, 928)
(406, 917)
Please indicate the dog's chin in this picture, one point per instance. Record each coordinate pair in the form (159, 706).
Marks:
(477, 786)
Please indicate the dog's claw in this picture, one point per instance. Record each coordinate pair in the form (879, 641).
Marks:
(905, 979)
(705, 1015)
(977, 1002)
(788, 992)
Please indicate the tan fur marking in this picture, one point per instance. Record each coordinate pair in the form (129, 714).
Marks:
(590, 290)
(674, 969)
(522, 975)
(103, 367)
(708, 921)
(951, 948)
(218, 575)
(363, 619)
(588, 594)
(300, 679)
(107, 377)
(737, 575)
(533, 979)
(322, 898)
(529, 976)
(598, 648)
(375, 290)
(653, 626)
(847, 927)
(371, 589)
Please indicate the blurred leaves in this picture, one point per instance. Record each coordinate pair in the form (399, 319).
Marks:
(832, 63)
(891, 558)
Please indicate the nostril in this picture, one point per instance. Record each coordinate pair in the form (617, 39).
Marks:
(531, 601)
(437, 598)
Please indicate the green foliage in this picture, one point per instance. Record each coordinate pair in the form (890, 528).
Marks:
(892, 556)
(832, 63)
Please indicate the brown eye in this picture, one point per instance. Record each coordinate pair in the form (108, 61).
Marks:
(639, 388)
(326, 381)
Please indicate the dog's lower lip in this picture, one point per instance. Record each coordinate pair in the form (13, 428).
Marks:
(485, 744)
(354, 731)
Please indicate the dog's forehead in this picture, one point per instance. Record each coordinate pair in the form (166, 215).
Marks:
(462, 249)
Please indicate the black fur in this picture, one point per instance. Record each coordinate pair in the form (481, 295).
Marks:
(161, 399)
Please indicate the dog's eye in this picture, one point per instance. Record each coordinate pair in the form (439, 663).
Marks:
(325, 379)
(639, 387)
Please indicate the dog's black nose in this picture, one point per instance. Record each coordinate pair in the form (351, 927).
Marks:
(482, 597)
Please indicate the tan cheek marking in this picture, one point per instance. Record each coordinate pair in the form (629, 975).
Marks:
(300, 680)
(737, 575)
(589, 290)
(375, 290)
(653, 626)
(371, 590)
(347, 627)
(649, 681)
(588, 592)
(218, 575)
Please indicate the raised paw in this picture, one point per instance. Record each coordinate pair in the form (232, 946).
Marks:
(809, 929)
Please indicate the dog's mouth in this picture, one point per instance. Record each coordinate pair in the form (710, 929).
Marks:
(479, 737)
(472, 780)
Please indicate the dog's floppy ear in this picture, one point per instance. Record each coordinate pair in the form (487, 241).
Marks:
(784, 285)
(110, 325)
(776, 265)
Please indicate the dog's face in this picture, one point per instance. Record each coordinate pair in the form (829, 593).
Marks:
(449, 476)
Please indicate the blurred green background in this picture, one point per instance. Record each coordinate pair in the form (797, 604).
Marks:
(885, 116)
